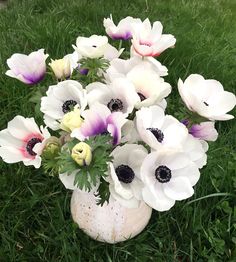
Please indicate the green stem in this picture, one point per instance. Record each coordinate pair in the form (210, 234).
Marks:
(120, 44)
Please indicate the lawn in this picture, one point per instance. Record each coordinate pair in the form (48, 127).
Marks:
(35, 220)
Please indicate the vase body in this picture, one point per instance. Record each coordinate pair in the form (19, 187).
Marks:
(111, 222)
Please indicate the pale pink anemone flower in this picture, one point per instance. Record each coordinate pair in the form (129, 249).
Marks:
(99, 120)
(22, 140)
(29, 69)
(149, 41)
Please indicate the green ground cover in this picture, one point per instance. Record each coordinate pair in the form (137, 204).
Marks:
(35, 221)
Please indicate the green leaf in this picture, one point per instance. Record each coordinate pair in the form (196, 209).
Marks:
(87, 177)
(103, 192)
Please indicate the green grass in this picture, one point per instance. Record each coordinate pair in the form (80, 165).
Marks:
(35, 221)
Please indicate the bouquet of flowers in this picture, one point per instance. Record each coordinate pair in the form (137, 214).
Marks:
(109, 132)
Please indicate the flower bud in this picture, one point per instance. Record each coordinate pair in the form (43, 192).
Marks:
(71, 120)
(52, 147)
(82, 154)
(61, 68)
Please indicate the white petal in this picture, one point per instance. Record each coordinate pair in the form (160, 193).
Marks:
(11, 154)
(111, 52)
(157, 199)
(136, 187)
(130, 203)
(6, 139)
(174, 160)
(178, 188)
(191, 172)
(149, 165)
(68, 180)
(36, 162)
(21, 127)
(221, 103)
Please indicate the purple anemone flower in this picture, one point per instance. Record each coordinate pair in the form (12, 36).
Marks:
(121, 31)
(29, 69)
(99, 120)
(204, 131)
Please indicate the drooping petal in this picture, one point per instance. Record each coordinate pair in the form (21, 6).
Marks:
(68, 180)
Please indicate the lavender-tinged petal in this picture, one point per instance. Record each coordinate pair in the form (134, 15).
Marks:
(83, 71)
(185, 122)
(114, 123)
(125, 36)
(34, 79)
(205, 131)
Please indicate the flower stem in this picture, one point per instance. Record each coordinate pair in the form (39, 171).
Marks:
(120, 44)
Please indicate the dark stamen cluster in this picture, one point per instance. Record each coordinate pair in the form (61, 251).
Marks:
(157, 133)
(115, 105)
(125, 174)
(163, 174)
(68, 106)
(30, 145)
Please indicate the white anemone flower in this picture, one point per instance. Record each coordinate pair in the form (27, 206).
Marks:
(22, 140)
(168, 176)
(206, 97)
(61, 99)
(99, 120)
(149, 41)
(120, 67)
(124, 174)
(121, 31)
(118, 96)
(91, 47)
(157, 129)
(29, 69)
(150, 87)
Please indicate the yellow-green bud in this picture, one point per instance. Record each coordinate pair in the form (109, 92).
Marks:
(82, 154)
(71, 120)
(52, 147)
(61, 68)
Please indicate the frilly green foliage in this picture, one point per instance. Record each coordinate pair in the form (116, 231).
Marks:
(87, 177)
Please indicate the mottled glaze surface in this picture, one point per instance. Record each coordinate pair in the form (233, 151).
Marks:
(110, 223)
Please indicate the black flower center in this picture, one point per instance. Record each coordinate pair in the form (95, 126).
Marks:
(125, 174)
(115, 105)
(141, 96)
(94, 46)
(163, 174)
(30, 145)
(68, 106)
(157, 133)
(206, 103)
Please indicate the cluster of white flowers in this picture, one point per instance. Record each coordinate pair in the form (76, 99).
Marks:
(156, 157)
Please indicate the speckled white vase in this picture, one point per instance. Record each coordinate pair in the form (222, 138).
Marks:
(111, 222)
